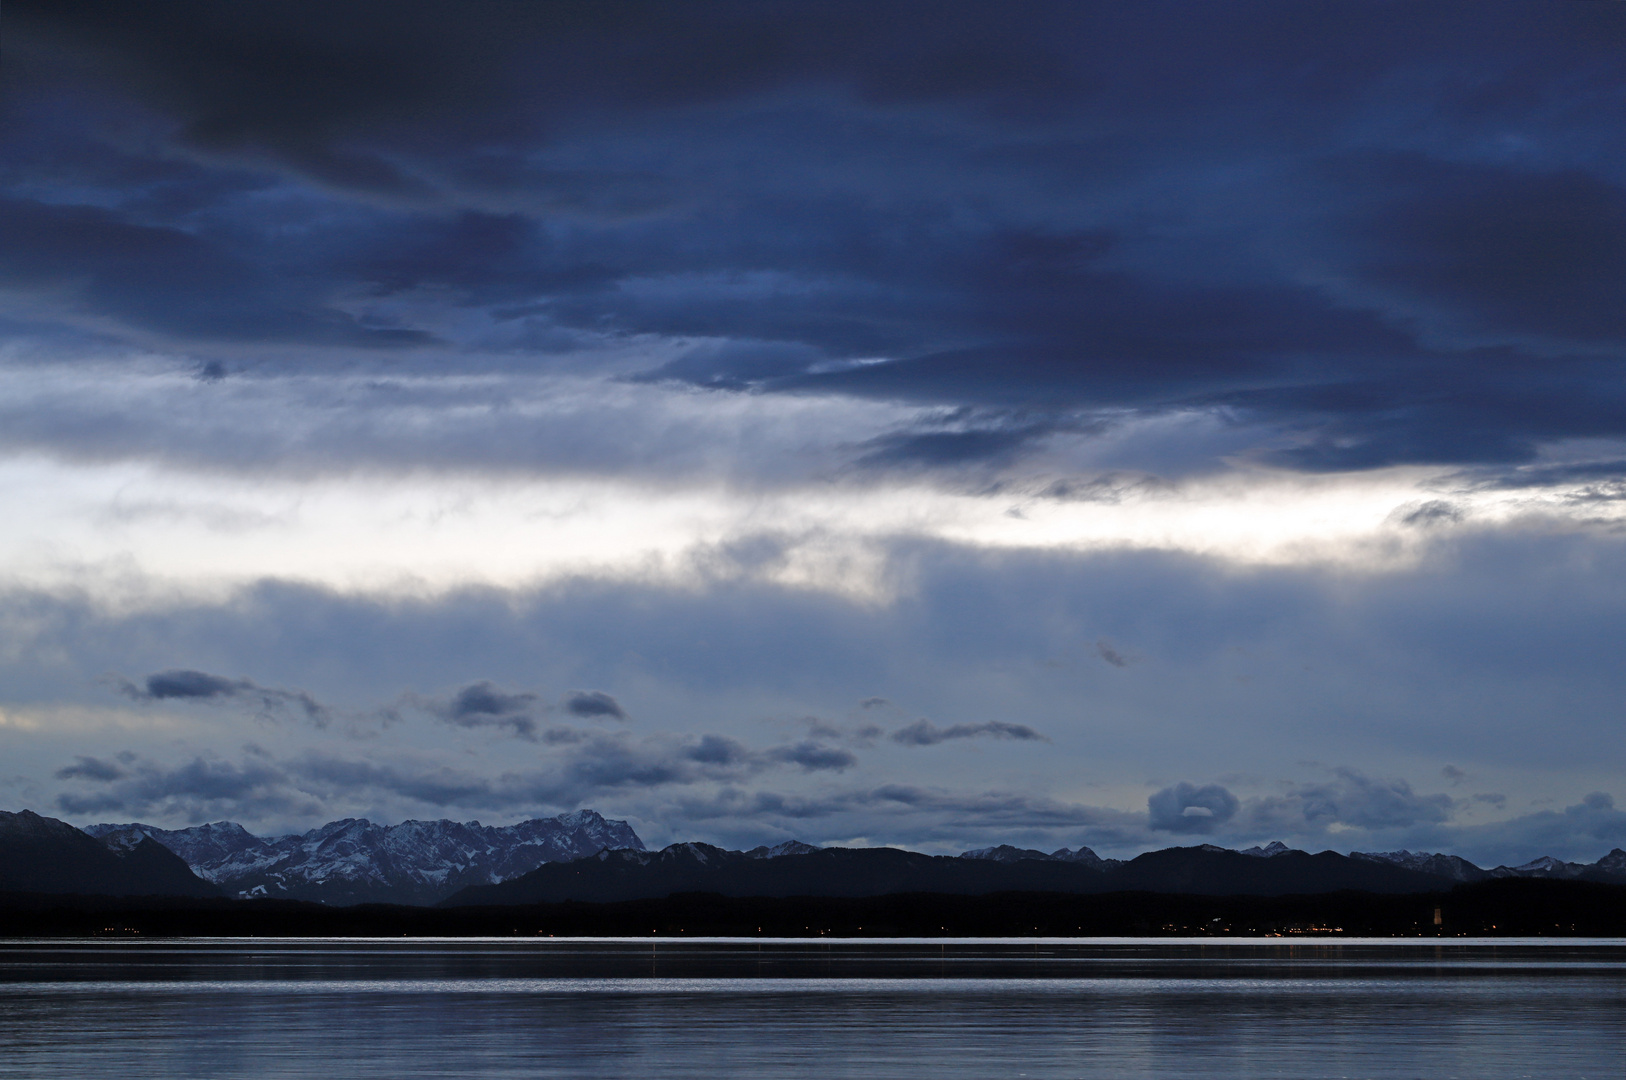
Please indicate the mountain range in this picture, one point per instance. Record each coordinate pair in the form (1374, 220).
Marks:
(583, 856)
(354, 861)
(1611, 868)
(612, 876)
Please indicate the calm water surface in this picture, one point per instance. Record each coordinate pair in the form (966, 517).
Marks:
(747, 1008)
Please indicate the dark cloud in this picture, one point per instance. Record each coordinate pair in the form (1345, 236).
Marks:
(1606, 474)
(1186, 808)
(191, 684)
(304, 84)
(581, 768)
(165, 279)
(89, 768)
(1531, 251)
(1584, 831)
(959, 440)
(1374, 234)
(1427, 514)
(194, 791)
(598, 764)
(1108, 652)
(925, 733)
(187, 685)
(814, 757)
(717, 750)
(1111, 488)
(986, 812)
(1350, 798)
(483, 704)
(861, 734)
(483, 699)
(442, 787)
(558, 734)
(593, 704)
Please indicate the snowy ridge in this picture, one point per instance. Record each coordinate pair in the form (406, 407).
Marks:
(355, 861)
(1545, 867)
(1275, 847)
(701, 854)
(200, 845)
(1007, 853)
(789, 847)
(1424, 862)
(1610, 868)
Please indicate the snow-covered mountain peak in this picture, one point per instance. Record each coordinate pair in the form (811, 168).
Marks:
(1613, 863)
(1275, 847)
(353, 860)
(1086, 856)
(787, 847)
(1006, 853)
(1453, 867)
(1546, 866)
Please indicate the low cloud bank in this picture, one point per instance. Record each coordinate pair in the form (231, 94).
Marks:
(716, 788)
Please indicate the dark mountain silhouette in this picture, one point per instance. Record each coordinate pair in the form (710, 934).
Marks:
(856, 872)
(1006, 853)
(628, 875)
(44, 855)
(787, 847)
(1215, 871)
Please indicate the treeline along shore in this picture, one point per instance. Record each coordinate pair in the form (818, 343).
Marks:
(1499, 908)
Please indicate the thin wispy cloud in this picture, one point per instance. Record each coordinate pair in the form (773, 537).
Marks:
(184, 685)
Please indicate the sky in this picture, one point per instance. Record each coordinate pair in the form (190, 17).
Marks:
(930, 424)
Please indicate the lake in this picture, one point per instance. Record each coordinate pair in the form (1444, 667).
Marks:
(652, 1009)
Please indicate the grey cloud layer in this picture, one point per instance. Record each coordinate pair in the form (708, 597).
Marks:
(195, 790)
(661, 781)
(1515, 621)
(1350, 798)
(575, 772)
(775, 693)
(1378, 233)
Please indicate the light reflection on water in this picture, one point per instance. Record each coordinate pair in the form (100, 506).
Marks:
(488, 1009)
